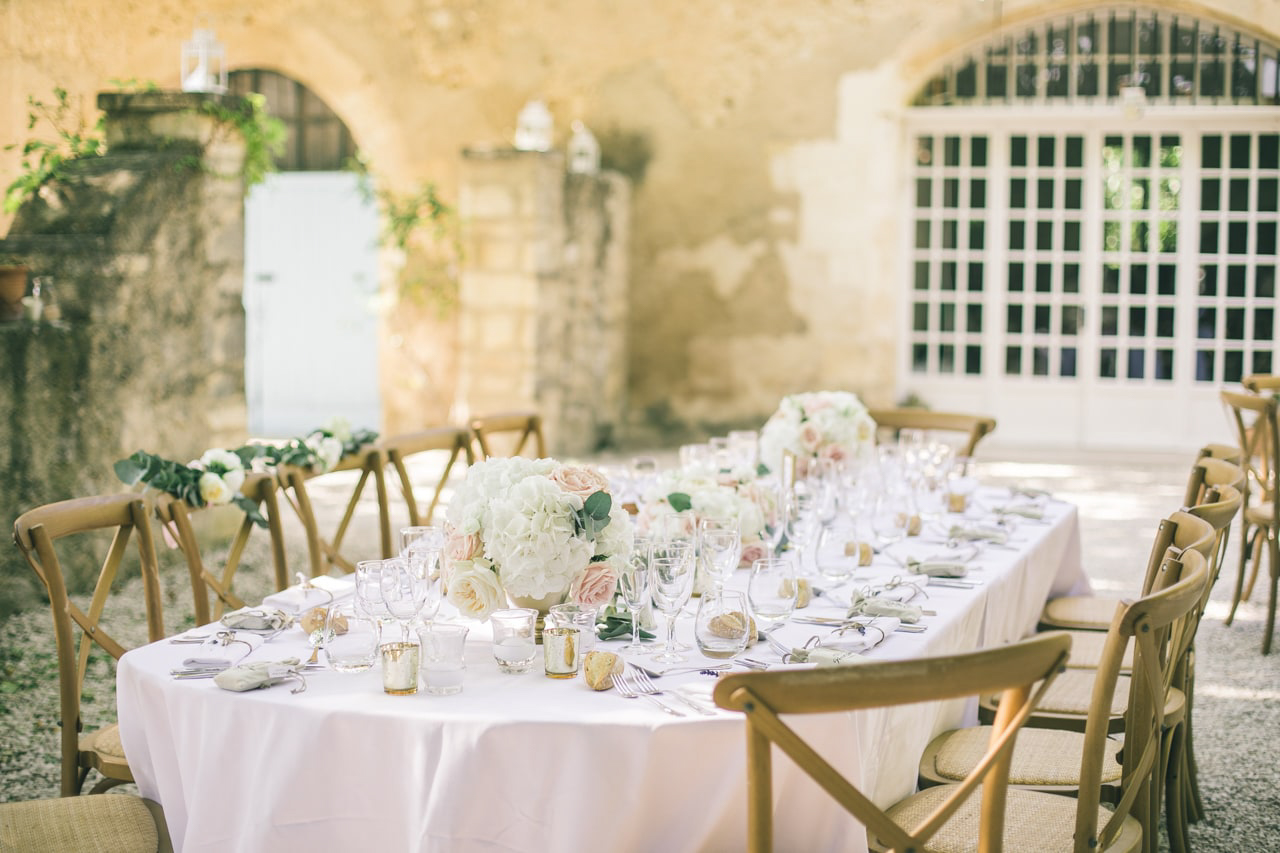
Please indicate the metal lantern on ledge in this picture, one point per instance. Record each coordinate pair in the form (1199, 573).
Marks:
(584, 151)
(533, 127)
(204, 63)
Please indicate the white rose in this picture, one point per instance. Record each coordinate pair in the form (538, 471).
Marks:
(474, 589)
(327, 449)
(213, 490)
(234, 480)
(339, 428)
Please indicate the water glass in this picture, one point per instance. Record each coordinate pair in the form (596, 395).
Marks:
(576, 616)
(772, 590)
(350, 638)
(514, 647)
(722, 627)
(671, 578)
(719, 548)
(442, 658)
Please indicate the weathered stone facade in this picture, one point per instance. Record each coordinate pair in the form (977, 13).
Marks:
(764, 142)
(146, 250)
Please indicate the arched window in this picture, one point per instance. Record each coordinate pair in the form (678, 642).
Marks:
(317, 141)
(1093, 222)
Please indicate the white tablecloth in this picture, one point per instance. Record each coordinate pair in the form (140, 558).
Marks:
(527, 763)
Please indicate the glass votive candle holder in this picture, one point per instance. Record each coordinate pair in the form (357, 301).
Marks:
(576, 616)
(561, 652)
(514, 647)
(442, 658)
(399, 668)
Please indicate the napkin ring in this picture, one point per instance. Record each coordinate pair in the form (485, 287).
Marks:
(305, 584)
(227, 638)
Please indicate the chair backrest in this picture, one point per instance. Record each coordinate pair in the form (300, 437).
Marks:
(326, 550)
(1158, 624)
(399, 449)
(1208, 472)
(175, 516)
(1226, 452)
(1179, 531)
(1011, 670)
(41, 534)
(1218, 506)
(521, 427)
(1254, 418)
(1261, 383)
(973, 427)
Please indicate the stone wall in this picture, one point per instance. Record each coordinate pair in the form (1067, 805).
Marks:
(145, 247)
(764, 142)
(543, 295)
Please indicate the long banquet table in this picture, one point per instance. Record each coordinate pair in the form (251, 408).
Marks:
(527, 763)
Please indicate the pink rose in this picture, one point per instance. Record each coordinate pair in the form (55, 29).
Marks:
(834, 453)
(595, 586)
(583, 482)
(752, 551)
(810, 438)
(462, 547)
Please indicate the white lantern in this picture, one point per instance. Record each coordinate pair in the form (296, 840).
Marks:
(204, 63)
(584, 151)
(533, 127)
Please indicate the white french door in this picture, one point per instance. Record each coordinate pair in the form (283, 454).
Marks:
(1091, 281)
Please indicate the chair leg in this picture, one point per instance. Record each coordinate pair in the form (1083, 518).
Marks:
(1247, 544)
(1274, 571)
(1175, 794)
(1256, 564)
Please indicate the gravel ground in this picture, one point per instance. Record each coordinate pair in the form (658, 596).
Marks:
(1120, 498)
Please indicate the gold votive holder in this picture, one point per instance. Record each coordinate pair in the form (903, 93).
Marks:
(399, 668)
(562, 652)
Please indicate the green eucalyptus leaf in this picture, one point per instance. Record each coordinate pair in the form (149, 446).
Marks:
(598, 505)
(130, 470)
(762, 470)
(680, 501)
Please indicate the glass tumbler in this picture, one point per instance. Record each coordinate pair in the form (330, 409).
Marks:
(443, 647)
(513, 641)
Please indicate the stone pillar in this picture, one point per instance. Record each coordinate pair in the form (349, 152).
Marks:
(146, 249)
(542, 294)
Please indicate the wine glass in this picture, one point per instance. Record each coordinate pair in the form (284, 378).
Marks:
(890, 518)
(403, 592)
(774, 510)
(369, 592)
(801, 525)
(633, 581)
(719, 549)
(671, 577)
(772, 590)
(422, 548)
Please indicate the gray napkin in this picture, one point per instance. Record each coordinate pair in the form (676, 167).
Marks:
(937, 568)
(980, 533)
(870, 605)
(256, 619)
(253, 676)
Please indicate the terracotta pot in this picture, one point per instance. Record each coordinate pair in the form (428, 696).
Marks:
(13, 286)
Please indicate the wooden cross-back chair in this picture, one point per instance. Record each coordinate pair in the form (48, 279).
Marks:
(327, 550)
(973, 428)
(175, 515)
(764, 696)
(1092, 765)
(42, 534)
(1262, 383)
(121, 823)
(1254, 418)
(520, 428)
(400, 449)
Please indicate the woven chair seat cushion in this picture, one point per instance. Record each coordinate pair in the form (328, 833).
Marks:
(105, 740)
(1072, 691)
(1262, 514)
(1034, 821)
(1080, 611)
(1041, 757)
(105, 823)
(1086, 651)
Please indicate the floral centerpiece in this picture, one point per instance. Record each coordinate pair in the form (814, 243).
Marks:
(213, 479)
(319, 450)
(817, 425)
(534, 530)
(694, 495)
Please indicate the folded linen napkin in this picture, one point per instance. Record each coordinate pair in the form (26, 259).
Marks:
(937, 568)
(1029, 492)
(222, 650)
(257, 619)
(979, 533)
(1030, 511)
(848, 646)
(871, 605)
(318, 592)
(253, 676)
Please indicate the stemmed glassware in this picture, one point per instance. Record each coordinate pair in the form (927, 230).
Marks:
(802, 524)
(775, 516)
(772, 590)
(633, 581)
(369, 592)
(719, 549)
(422, 549)
(671, 576)
(404, 592)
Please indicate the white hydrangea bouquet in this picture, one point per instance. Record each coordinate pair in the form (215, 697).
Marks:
(816, 425)
(692, 496)
(535, 530)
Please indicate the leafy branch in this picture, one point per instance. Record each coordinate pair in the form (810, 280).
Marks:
(43, 159)
(264, 135)
(174, 478)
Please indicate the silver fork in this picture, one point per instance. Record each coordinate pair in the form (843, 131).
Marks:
(644, 685)
(628, 691)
